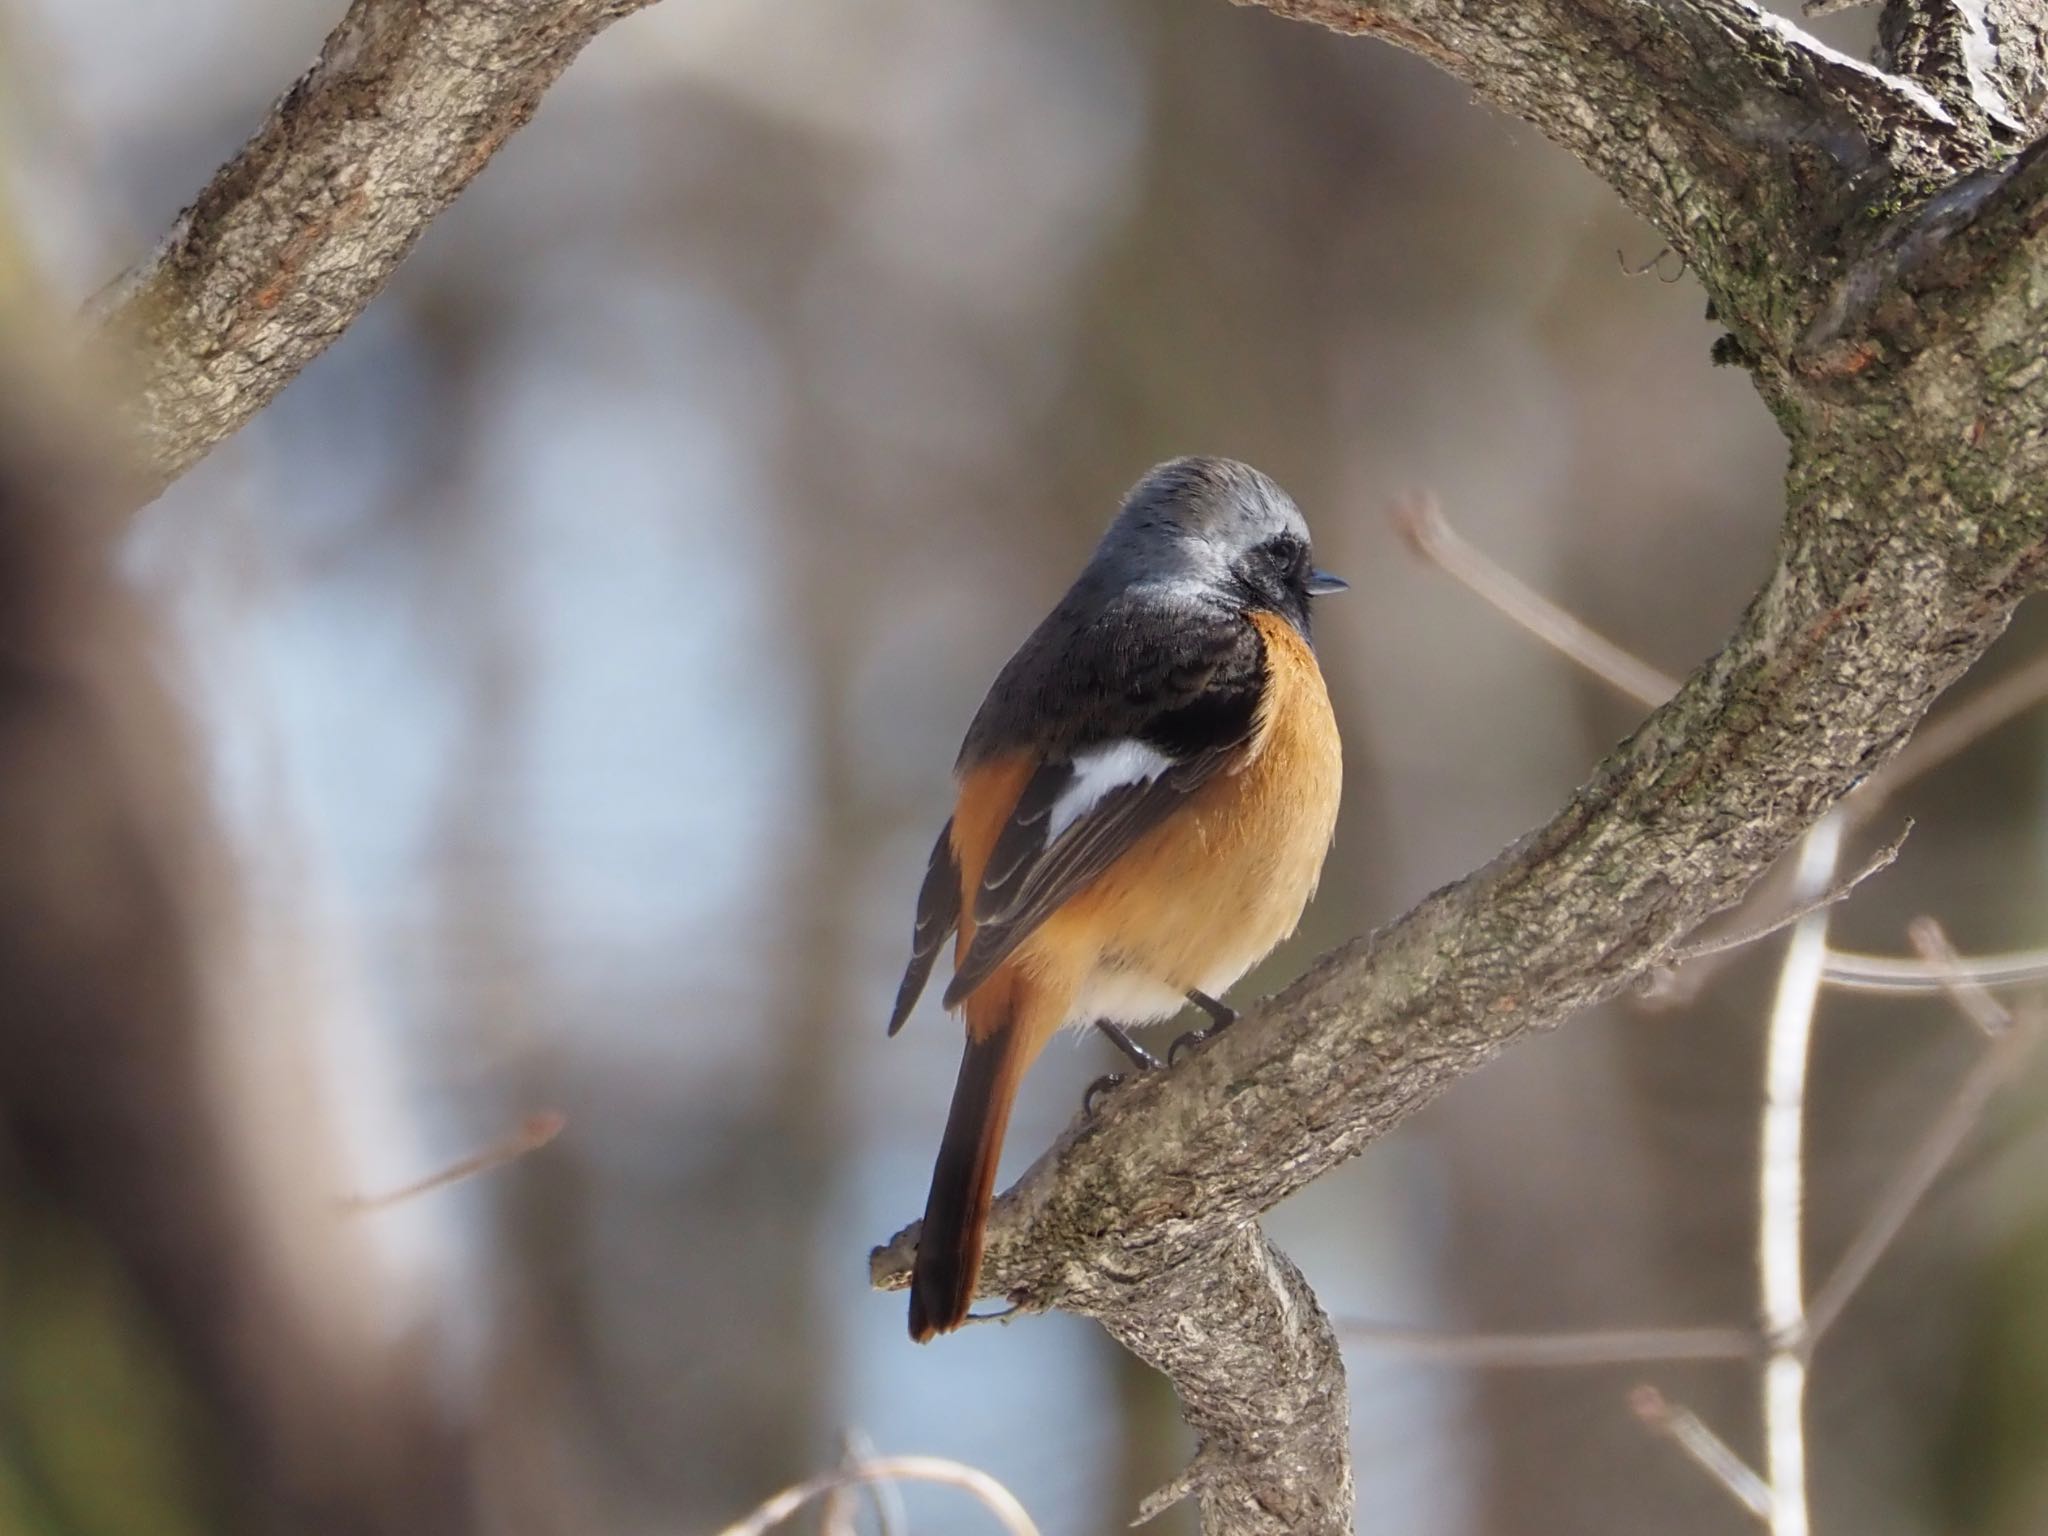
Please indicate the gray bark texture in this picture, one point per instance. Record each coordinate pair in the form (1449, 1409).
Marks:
(292, 238)
(1872, 238)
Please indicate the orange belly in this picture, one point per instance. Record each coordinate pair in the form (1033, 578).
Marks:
(1205, 896)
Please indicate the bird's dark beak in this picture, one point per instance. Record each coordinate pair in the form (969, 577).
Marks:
(1322, 583)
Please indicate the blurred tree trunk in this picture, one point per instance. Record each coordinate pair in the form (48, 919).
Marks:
(193, 1340)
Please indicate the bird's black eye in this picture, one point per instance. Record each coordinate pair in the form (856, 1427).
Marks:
(1285, 557)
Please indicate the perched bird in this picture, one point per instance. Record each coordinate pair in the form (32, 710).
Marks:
(1145, 799)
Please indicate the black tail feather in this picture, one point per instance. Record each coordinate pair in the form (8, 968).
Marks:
(944, 1279)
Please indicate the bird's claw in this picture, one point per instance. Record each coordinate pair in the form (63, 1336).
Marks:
(1100, 1086)
(1222, 1015)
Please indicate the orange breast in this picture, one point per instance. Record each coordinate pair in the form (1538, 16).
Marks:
(1204, 896)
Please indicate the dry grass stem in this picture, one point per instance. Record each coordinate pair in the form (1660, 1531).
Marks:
(993, 1496)
(1565, 1347)
(1707, 1450)
(534, 1132)
(1915, 1176)
(1781, 1185)
(1422, 523)
(1896, 976)
(1964, 990)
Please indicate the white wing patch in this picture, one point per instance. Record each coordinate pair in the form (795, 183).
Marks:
(1100, 770)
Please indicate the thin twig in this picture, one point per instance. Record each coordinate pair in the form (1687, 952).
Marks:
(1591, 1346)
(1914, 1177)
(1781, 1187)
(535, 1132)
(1707, 1450)
(1422, 523)
(994, 1497)
(1968, 994)
(1654, 264)
(1897, 976)
(836, 1519)
(1736, 938)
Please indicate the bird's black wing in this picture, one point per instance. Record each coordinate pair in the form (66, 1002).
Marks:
(1155, 705)
(938, 914)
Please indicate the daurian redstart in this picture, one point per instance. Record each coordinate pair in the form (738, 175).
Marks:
(1145, 800)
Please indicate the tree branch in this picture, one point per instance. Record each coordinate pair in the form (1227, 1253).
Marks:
(1987, 57)
(1276, 1461)
(1734, 133)
(1901, 354)
(408, 100)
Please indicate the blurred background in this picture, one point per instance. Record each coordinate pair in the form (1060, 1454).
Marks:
(565, 675)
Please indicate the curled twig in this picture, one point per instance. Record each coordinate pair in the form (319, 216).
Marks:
(993, 1496)
(1654, 264)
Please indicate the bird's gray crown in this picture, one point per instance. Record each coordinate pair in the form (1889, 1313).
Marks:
(1196, 518)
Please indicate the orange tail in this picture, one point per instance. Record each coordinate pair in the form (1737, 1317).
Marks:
(942, 1282)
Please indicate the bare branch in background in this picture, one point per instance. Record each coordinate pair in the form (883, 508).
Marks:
(1969, 995)
(1781, 1189)
(1705, 1449)
(1893, 976)
(1429, 533)
(533, 1133)
(294, 237)
(1932, 1153)
(1009, 1515)
(1563, 1347)
(837, 1519)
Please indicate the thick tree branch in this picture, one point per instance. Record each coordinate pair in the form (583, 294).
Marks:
(1750, 145)
(1887, 265)
(295, 235)
(1988, 57)
(1277, 1462)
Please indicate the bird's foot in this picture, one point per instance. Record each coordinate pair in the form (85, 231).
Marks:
(1140, 1058)
(1221, 1017)
(1097, 1089)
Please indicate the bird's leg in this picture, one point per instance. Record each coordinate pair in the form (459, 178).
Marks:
(1140, 1058)
(1120, 1037)
(1221, 1016)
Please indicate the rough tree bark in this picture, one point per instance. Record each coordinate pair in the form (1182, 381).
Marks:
(1873, 242)
(292, 238)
